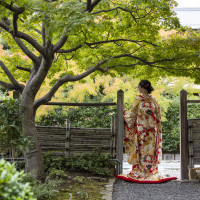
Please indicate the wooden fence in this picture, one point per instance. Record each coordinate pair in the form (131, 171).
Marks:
(61, 141)
(194, 141)
(190, 137)
(75, 141)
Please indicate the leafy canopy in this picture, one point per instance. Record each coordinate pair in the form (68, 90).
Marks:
(136, 21)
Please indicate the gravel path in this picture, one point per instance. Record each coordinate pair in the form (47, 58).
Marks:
(172, 190)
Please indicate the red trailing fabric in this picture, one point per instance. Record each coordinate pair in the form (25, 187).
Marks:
(146, 181)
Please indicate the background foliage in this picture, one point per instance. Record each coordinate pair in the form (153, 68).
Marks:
(85, 116)
(103, 90)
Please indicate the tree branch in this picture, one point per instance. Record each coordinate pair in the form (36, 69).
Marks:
(150, 64)
(15, 18)
(11, 78)
(8, 85)
(88, 7)
(61, 42)
(4, 26)
(24, 36)
(114, 66)
(24, 68)
(104, 42)
(31, 55)
(31, 41)
(168, 59)
(94, 3)
(116, 8)
(38, 31)
(65, 79)
(43, 33)
(68, 78)
(144, 15)
(69, 50)
(12, 8)
(118, 40)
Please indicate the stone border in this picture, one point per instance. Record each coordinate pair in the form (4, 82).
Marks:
(108, 190)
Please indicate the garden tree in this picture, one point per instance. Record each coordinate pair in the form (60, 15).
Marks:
(101, 36)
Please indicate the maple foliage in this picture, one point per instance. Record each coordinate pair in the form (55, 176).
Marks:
(116, 37)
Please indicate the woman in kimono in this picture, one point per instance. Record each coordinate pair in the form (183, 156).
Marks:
(143, 137)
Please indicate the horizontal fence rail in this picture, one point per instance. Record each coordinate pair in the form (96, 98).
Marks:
(81, 104)
(193, 101)
(76, 104)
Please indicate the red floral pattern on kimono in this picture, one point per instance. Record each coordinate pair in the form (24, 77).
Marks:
(143, 138)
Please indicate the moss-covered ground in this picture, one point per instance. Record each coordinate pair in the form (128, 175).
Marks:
(80, 187)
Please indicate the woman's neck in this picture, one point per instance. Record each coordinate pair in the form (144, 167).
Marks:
(145, 95)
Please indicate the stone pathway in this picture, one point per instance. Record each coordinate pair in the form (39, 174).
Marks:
(172, 190)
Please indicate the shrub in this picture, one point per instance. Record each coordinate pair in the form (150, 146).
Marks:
(10, 122)
(42, 190)
(11, 128)
(11, 183)
(95, 163)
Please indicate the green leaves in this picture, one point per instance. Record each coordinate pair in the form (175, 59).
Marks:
(10, 120)
(11, 186)
(95, 163)
(11, 128)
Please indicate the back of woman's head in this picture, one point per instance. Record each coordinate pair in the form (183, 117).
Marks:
(146, 85)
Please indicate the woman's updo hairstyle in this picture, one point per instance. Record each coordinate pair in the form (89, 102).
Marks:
(146, 85)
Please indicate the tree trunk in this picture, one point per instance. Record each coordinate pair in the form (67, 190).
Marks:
(34, 157)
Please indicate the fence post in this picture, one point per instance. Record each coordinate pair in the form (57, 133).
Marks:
(113, 137)
(183, 135)
(120, 129)
(67, 139)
